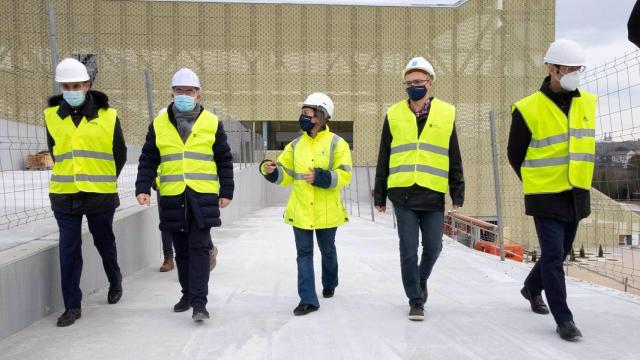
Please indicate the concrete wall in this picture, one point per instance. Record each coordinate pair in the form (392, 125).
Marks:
(30, 272)
(17, 140)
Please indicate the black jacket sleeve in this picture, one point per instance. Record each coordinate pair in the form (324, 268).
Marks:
(519, 139)
(119, 148)
(382, 169)
(224, 162)
(633, 26)
(456, 176)
(148, 163)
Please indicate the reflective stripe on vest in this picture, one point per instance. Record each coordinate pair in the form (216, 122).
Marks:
(561, 152)
(187, 163)
(84, 154)
(423, 159)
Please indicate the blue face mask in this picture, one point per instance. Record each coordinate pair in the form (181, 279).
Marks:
(184, 103)
(305, 123)
(73, 98)
(416, 92)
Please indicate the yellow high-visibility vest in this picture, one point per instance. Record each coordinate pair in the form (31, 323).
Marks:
(84, 154)
(562, 150)
(187, 163)
(423, 159)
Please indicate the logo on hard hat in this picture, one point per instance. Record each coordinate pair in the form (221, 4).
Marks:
(414, 63)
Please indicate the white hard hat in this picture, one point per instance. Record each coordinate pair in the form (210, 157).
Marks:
(185, 77)
(71, 70)
(320, 101)
(419, 63)
(565, 52)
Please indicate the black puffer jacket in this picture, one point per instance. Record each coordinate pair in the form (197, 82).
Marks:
(83, 202)
(178, 210)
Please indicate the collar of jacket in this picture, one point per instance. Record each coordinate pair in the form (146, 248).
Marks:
(95, 100)
(545, 88)
(323, 132)
(172, 117)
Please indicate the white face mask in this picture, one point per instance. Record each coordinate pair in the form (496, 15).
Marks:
(570, 81)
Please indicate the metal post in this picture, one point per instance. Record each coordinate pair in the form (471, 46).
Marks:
(241, 132)
(496, 181)
(253, 150)
(357, 195)
(149, 87)
(53, 45)
(370, 194)
(626, 283)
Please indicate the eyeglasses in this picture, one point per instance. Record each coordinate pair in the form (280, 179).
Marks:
(569, 69)
(420, 82)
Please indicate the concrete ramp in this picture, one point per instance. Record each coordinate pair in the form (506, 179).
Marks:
(474, 311)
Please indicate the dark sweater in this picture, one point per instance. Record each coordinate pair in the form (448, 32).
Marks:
(571, 205)
(84, 202)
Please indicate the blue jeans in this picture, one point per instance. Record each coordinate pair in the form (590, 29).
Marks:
(306, 278)
(101, 228)
(410, 222)
(556, 239)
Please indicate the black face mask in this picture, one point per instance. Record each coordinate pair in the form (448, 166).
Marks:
(416, 92)
(305, 123)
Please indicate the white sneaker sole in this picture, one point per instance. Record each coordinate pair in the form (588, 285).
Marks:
(416, 317)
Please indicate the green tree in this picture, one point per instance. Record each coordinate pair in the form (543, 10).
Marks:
(600, 252)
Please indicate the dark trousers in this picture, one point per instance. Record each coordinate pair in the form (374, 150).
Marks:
(556, 239)
(101, 228)
(167, 243)
(410, 223)
(167, 238)
(306, 278)
(192, 260)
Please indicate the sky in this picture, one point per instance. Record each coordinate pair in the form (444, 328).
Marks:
(600, 26)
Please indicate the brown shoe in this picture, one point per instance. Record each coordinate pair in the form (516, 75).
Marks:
(167, 265)
(212, 258)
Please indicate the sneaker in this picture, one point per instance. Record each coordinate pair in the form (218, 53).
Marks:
(200, 314)
(183, 305)
(568, 331)
(168, 264)
(304, 309)
(213, 253)
(537, 304)
(416, 313)
(68, 317)
(327, 293)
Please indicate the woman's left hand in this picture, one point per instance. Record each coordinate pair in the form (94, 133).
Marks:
(311, 176)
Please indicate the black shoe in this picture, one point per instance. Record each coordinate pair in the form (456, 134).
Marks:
(327, 293)
(115, 293)
(199, 314)
(416, 313)
(304, 309)
(425, 293)
(69, 317)
(537, 304)
(183, 305)
(568, 331)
